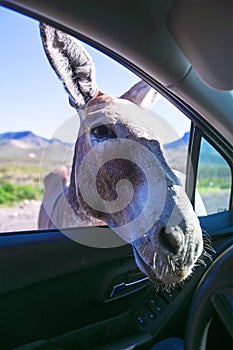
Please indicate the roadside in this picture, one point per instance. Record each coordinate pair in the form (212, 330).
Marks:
(20, 217)
(24, 216)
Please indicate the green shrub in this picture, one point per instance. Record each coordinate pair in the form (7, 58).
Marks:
(11, 193)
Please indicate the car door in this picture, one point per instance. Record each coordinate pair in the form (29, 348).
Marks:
(80, 287)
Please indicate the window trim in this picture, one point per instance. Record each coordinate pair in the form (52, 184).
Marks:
(192, 162)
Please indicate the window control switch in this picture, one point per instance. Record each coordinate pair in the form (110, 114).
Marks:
(156, 304)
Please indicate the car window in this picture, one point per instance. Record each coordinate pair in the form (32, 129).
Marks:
(39, 127)
(213, 179)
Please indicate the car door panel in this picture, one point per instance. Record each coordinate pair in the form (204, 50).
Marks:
(58, 290)
(51, 285)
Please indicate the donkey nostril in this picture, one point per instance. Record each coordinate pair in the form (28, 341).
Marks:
(171, 240)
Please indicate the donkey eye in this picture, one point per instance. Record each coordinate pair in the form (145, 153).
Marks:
(102, 131)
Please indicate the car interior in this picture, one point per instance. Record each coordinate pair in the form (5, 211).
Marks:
(57, 292)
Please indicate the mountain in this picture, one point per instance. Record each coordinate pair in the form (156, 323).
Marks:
(180, 143)
(209, 156)
(176, 153)
(25, 139)
(27, 147)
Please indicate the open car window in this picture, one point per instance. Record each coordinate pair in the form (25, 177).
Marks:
(39, 130)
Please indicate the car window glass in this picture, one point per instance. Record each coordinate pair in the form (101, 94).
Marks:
(213, 179)
(39, 127)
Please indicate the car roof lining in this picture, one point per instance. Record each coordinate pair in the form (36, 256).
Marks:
(194, 23)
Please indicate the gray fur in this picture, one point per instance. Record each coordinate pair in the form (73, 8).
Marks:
(168, 249)
(72, 64)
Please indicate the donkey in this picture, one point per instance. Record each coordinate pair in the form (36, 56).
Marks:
(119, 175)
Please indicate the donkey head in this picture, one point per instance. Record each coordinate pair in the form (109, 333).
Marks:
(119, 174)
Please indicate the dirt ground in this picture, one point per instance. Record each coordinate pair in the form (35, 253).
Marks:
(22, 216)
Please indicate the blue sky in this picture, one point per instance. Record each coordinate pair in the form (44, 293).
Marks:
(32, 97)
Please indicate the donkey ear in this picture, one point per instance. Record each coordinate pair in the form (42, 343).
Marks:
(72, 64)
(142, 95)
